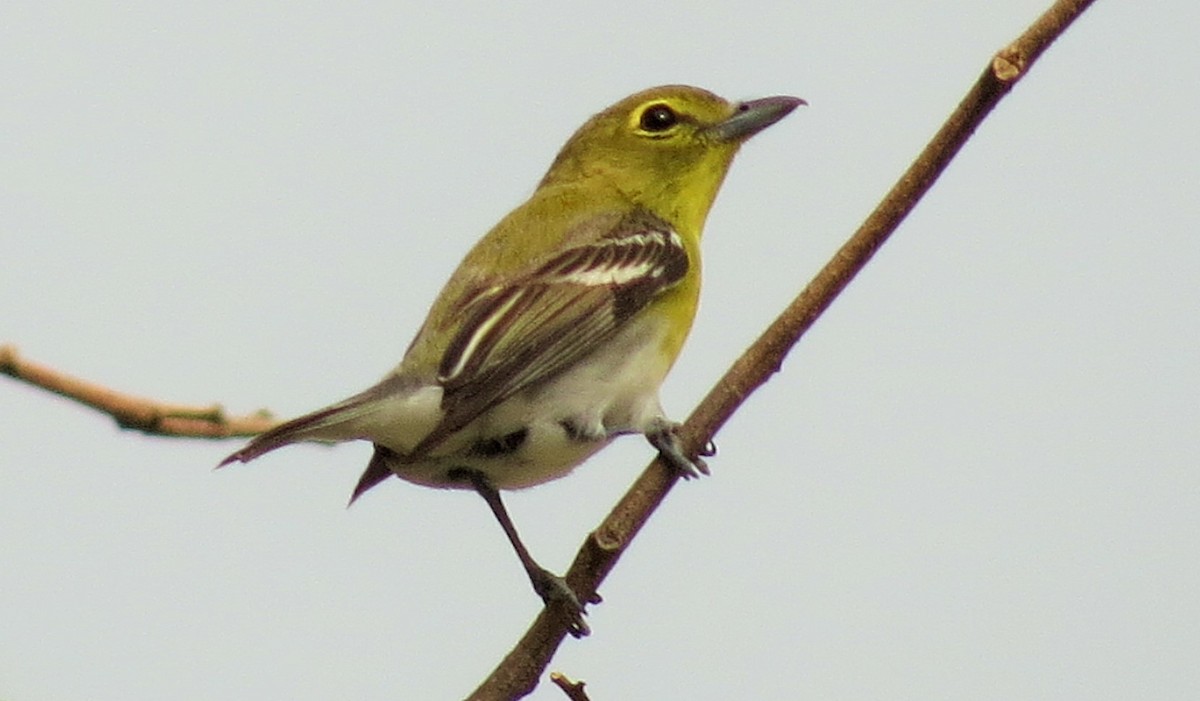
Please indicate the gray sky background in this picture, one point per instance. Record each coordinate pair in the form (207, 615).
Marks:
(977, 478)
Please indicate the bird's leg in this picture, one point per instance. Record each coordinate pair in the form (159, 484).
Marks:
(665, 437)
(548, 585)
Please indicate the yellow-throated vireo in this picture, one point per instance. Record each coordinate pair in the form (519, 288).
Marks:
(553, 335)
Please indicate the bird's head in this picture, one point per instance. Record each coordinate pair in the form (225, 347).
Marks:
(666, 148)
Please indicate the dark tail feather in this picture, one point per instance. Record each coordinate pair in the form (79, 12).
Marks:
(299, 429)
(332, 424)
(329, 424)
(376, 472)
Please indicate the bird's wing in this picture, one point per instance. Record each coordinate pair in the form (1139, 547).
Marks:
(524, 331)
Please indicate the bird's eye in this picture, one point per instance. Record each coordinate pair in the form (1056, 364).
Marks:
(658, 118)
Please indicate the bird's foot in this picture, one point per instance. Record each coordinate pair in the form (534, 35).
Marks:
(666, 440)
(555, 591)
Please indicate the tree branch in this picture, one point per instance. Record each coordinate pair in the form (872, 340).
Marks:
(517, 674)
(573, 690)
(138, 413)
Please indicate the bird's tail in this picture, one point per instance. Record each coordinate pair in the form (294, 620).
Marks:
(317, 426)
(347, 420)
(376, 472)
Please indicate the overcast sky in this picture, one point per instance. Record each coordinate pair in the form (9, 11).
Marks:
(977, 478)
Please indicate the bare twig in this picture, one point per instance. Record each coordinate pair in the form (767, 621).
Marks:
(137, 413)
(518, 673)
(573, 690)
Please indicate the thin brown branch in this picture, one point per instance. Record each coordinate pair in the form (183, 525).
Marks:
(138, 413)
(573, 690)
(517, 674)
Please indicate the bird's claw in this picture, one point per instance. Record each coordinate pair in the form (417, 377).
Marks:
(667, 443)
(554, 590)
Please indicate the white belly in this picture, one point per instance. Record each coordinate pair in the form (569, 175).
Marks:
(564, 421)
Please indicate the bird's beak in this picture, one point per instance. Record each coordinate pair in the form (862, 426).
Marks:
(753, 116)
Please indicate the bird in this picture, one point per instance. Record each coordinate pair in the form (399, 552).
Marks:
(555, 332)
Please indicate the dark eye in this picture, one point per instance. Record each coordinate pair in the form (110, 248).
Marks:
(658, 118)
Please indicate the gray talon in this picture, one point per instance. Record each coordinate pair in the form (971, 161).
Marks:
(667, 443)
(554, 589)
